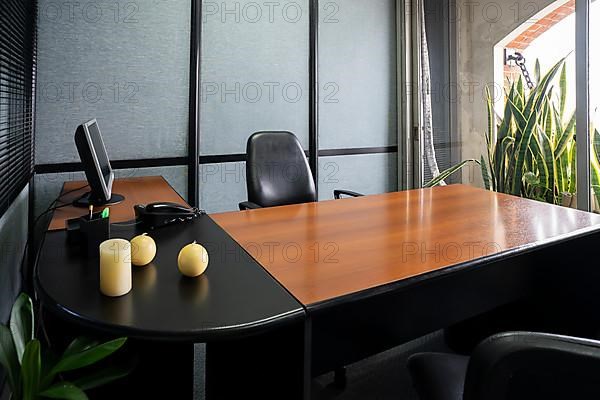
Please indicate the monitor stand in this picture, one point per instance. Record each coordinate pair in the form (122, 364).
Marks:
(86, 200)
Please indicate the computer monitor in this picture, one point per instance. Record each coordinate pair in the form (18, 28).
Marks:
(96, 165)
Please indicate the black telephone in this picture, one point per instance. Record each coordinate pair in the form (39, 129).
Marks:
(155, 215)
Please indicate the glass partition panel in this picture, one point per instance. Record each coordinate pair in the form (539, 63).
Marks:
(254, 77)
(365, 173)
(357, 74)
(254, 72)
(222, 186)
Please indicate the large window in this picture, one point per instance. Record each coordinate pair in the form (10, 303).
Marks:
(527, 98)
(537, 61)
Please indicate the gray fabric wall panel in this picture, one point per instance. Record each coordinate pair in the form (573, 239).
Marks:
(357, 74)
(126, 63)
(222, 186)
(254, 72)
(13, 237)
(367, 174)
(47, 186)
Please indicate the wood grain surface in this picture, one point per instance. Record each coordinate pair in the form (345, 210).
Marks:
(139, 190)
(324, 250)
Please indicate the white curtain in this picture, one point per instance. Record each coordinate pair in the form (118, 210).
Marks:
(428, 147)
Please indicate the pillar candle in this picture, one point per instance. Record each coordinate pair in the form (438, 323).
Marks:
(115, 267)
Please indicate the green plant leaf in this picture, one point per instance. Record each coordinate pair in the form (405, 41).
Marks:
(548, 155)
(103, 377)
(492, 135)
(596, 140)
(80, 344)
(31, 366)
(595, 170)
(537, 70)
(548, 121)
(520, 120)
(573, 164)
(21, 323)
(531, 179)
(566, 136)
(528, 124)
(76, 346)
(522, 152)
(538, 95)
(447, 172)
(519, 98)
(484, 174)
(504, 153)
(64, 390)
(523, 155)
(563, 90)
(558, 123)
(87, 356)
(9, 360)
(542, 166)
(505, 124)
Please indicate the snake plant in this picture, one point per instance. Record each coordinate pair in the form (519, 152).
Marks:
(35, 373)
(531, 149)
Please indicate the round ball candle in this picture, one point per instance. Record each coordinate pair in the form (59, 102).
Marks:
(143, 250)
(192, 260)
(115, 267)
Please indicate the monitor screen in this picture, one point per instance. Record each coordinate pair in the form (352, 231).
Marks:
(100, 151)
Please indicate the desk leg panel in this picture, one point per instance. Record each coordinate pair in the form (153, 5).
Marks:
(360, 327)
(566, 301)
(350, 331)
(269, 365)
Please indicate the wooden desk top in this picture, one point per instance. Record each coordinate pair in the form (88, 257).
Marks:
(320, 251)
(140, 190)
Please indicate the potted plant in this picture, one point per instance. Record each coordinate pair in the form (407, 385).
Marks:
(33, 372)
(531, 148)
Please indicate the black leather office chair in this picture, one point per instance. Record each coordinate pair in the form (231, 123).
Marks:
(277, 172)
(515, 366)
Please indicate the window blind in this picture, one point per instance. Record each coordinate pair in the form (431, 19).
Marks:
(17, 90)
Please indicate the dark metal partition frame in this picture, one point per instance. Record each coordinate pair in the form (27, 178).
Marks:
(313, 152)
(194, 159)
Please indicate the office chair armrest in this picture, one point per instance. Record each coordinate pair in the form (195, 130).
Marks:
(248, 205)
(533, 365)
(337, 194)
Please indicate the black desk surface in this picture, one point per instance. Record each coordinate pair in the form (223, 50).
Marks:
(235, 297)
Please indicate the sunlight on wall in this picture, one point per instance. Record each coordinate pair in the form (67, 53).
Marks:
(558, 42)
(550, 47)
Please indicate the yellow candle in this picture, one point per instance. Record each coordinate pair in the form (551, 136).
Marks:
(192, 260)
(115, 267)
(143, 250)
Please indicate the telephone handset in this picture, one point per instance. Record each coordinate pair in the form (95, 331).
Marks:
(155, 215)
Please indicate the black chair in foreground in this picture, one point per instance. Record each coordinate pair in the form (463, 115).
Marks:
(277, 172)
(515, 366)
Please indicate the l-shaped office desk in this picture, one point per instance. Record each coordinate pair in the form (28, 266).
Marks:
(295, 291)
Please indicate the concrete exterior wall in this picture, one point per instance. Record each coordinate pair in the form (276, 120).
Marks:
(481, 25)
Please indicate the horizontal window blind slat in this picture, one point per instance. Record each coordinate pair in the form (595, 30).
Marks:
(19, 147)
(18, 43)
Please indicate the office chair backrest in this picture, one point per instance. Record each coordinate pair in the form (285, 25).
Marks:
(277, 172)
(525, 365)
